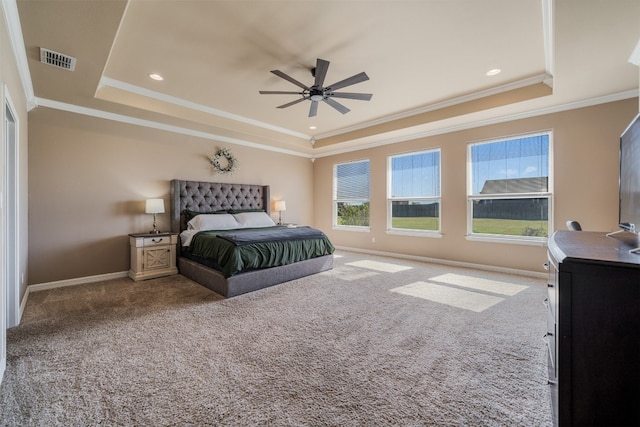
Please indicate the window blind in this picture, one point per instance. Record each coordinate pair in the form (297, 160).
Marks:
(352, 181)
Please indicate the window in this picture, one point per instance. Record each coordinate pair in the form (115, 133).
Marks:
(414, 192)
(509, 187)
(351, 194)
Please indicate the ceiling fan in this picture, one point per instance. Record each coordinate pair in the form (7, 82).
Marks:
(317, 92)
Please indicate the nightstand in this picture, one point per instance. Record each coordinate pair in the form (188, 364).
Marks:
(152, 255)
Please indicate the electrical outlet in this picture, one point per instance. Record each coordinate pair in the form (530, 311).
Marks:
(373, 240)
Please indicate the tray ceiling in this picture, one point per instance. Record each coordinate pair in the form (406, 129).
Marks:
(426, 60)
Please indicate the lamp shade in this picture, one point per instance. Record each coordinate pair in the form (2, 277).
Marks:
(280, 205)
(154, 206)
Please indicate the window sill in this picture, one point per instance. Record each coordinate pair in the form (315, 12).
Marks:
(513, 240)
(415, 233)
(350, 228)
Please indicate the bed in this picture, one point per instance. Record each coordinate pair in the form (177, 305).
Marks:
(191, 199)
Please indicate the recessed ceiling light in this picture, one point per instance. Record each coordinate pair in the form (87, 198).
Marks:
(156, 76)
(313, 127)
(493, 72)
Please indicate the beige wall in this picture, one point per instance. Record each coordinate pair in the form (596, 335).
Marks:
(11, 87)
(89, 178)
(585, 173)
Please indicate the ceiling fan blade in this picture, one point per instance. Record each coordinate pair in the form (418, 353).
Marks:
(349, 81)
(278, 92)
(321, 71)
(350, 95)
(336, 105)
(313, 110)
(289, 104)
(289, 79)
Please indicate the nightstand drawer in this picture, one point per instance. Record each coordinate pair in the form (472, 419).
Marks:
(159, 240)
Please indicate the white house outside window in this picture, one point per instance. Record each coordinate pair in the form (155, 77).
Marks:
(351, 194)
(414, 192)
(509, 188)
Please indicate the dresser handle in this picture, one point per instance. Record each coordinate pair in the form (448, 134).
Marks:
(546, 266)
(549, 382)
(157, 241)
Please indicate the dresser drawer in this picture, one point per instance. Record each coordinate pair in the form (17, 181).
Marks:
(552, 287)
(553, 390)
(550, 340)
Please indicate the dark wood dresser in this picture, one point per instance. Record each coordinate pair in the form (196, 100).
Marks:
(593, 329)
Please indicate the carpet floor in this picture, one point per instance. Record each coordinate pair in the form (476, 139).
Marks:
(374, 342)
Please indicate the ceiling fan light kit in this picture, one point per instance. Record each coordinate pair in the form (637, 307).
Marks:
(317, 92)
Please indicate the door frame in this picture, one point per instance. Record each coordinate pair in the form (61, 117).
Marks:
(9, 225)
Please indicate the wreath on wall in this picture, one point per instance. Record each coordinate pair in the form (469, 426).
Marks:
(224, 161)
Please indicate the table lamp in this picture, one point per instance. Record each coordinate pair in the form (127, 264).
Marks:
(154, 206)
(280, 206)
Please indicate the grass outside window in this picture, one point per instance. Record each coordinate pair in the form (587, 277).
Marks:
(416, 223)
(510, 227)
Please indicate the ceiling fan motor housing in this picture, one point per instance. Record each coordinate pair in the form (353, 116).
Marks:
(316, 94)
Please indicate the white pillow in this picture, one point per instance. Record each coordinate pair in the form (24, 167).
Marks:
(205, 222)
(254, 219)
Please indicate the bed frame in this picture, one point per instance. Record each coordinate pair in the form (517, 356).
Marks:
(211, 196)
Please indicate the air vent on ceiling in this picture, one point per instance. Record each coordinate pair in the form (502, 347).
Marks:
(57, 59)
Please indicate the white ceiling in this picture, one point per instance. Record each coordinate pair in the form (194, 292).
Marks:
(421, 57)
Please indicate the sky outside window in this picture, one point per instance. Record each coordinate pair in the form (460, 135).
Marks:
(516, 158)
(416, 175)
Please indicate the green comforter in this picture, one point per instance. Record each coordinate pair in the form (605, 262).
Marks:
(263, 252)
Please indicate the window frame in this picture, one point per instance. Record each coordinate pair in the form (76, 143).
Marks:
(335, 201)
(548, 195)
(391, 199)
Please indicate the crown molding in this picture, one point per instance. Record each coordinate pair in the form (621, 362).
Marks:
(117, 84)
(161, 126)
(340, 150)
(486, 122)
(541, 78)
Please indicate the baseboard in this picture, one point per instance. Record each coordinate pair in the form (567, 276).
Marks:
(63, 283)
(527, 273)
(23, 303)
(3, 365)
(77, 281)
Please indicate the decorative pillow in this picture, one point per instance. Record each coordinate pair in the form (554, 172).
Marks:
(204, 222)
(254, 219)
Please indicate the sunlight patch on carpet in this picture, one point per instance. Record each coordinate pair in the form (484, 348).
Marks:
(454, 297)
(385, 267)
(349, 273)
(493, 286)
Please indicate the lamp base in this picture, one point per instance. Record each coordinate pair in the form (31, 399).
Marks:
(155, 226)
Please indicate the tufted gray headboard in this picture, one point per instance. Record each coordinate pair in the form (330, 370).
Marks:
(214, 196)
